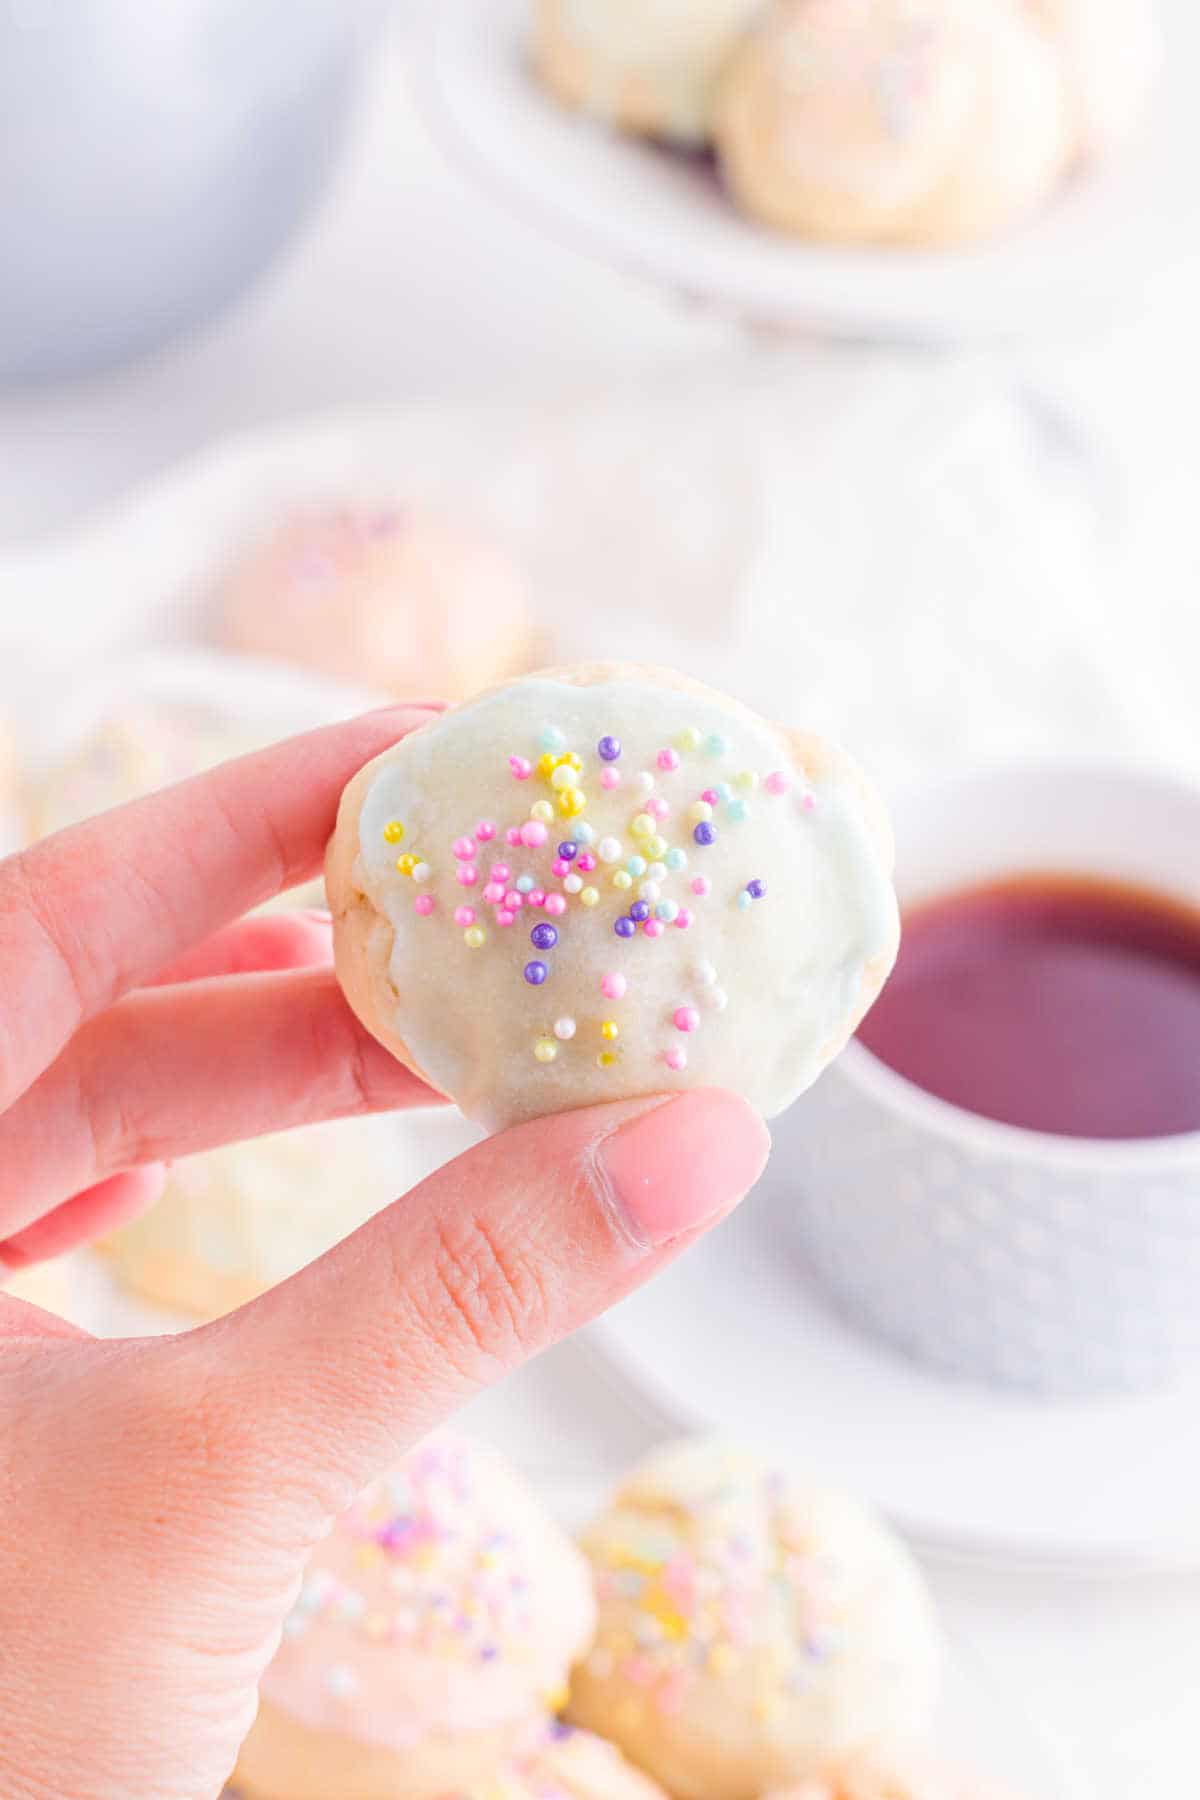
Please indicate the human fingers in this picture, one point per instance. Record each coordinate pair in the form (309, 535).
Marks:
(85, 1217)
(100, 908)
(172, 1070)
(283, 940)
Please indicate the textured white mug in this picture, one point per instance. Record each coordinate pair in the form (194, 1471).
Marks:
(1060, 1265)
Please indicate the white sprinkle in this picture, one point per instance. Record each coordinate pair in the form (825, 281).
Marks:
(706, 973)
(609, 849)
(422, 872)
(573, 883)
(644, 782)
(657, 871)
(564, 1030)
(719, 998)
(648, 890)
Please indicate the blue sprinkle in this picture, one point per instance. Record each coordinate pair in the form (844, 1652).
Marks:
(736, 810)
(677, 859)
(524, 884)
(744, 900)
(636, 865)
(715, 744)
(666, 910)
(724, 790)
(584, 832)
(551, 738)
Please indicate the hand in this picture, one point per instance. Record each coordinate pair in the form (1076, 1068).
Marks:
(159, 1497)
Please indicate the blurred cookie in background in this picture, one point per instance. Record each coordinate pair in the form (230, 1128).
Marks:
(432, 1635)
(400, 598)
(890, 1775)
(1111, 53)
(647, 66)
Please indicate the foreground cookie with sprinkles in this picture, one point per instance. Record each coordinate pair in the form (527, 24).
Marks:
(753, 1631)
(433, 1631)
(603, 882)
(561, 1763)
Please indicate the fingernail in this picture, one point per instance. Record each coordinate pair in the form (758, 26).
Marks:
(683, 1164)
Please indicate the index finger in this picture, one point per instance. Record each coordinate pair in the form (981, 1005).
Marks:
(98, 909)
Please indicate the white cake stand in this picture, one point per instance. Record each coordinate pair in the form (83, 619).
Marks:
(1109, 239)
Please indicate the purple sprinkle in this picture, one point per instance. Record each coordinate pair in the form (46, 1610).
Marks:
(543, 937)
(705, 833)
(536, 973)
(640, 911)
(560, 1731)
(756, 889)
(625, 927)
(609, 748)
(568, 851)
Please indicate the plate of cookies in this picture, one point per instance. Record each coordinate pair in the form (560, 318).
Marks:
(912, 170)
(717, 1627)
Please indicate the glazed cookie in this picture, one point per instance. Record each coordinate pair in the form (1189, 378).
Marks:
(899, 1775)
(752, 1630)
(236, 1220)
(604, 882)
(903, 121)
(395, 597)
(648, 66)
(561, 1763)
(1111, 53)
(433, 1628)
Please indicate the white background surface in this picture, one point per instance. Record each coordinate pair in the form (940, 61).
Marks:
(409, 285)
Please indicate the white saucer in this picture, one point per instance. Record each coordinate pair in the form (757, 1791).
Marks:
(1094, 253)
(733, 1338)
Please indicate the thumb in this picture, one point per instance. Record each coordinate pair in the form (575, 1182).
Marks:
(498, 1255)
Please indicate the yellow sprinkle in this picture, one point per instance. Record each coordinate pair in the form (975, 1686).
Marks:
(570, 759)
(393, 832)
(656, 848)
(589, 896)
(406, 863)
(474, 936)
(607, 1058)
(545, 1050)
(571, 802)
(542, 810)
(622, 879)
(700, 812)
(546, 766)
(688, 739)
(747, 780)
(643, 826)
(563, 777)
(610, 1029)
(554, 1699)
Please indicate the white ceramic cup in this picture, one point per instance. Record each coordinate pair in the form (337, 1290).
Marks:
(1060, 1265)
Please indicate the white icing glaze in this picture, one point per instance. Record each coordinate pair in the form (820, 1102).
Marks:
(678, 48)
(776, 981)
(445, 1600)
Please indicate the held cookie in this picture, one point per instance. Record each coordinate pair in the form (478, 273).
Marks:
(434, 1626)
(901, 121)
(647, 66)
(752, 1630)
(599, 883)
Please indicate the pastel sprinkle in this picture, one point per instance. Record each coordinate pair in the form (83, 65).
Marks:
(467, 874)
(747, 780)
(676, 1058)
(421, 872)
(715, 744)
(463, 915)
(701, 811)
(608, 749)
(706, 973)
(513, 836)
(655, 846)
(777, 782)
(514, 901)
(677, 859)
(622, 879)
(657, 807)
(737, 811)
(724, 791)
(613, 986)
(624, 927)
(642, 825)
(607, 1058)
(464, 848)
(485, 831)
(560, 867)
(639, 911)
(551, 738)
(637, 865)
(493, 893)
(686, 1018)
(393, 832)
(587, 863)
(525, 884)
(657, 871)
(474, 937)
(406, 864)
(555, 905)
(571, 801)
(610, 1030)
(564, 1029)
(756, 889)
(585, 833)
(573, 884)
(705, 833)
(545, 1050)
(505, 917)
(610, 779)
(568, 850)
(541, 812)
(563, 777)
(683, 918)
(645, 782)
(589, 896)
(701, 885)
(744, 900)
(499, 872)
(537, 896)
(649, 890)
(719, 999)
(533, 833)
(424, 905)
(688, 738)
(609, 849)
(654, 928)
(536, 973)
(667, 911)
(521, 767)
(543, 937)
(668, 759)
(809, 802)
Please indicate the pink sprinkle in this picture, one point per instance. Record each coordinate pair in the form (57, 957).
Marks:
(683, 918)
(504, 917)
(485, 831)
(556, 905)
(654, 928)
(423, 904)
(777, 782)
(686, 1018)
(711, 795)
(493, 893)
(533, 834)
(610, 779)
(464, 915)
(701, 885)
(668, 759)
(640, 1670)
(499, 872)
(586, 863)
(513, 836)
(657, 807)
(464, 848)
(560, 867)
(537, 896)
(514, 901)
(613, 986)
(468, 874)
(520, 767)
(809, 802)
(676, 1059)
